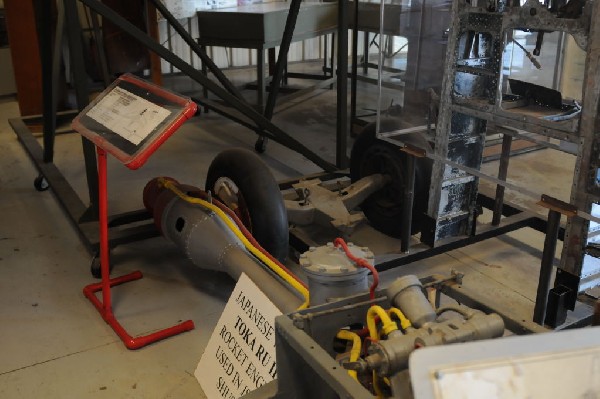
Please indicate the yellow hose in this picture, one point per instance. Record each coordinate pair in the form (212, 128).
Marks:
(355, 351)
(387, 324)
(404, 322)
(251, 248)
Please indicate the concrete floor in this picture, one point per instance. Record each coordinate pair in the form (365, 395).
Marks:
(54, 343)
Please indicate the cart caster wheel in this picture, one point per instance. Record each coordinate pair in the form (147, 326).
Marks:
(247, 182)
(40, 183)
(261, 144)
(95, 266)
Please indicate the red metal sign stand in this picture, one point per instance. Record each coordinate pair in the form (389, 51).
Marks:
(105, 306)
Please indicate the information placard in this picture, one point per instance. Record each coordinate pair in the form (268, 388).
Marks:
(240, 355)
(132, 118)
(128, 115)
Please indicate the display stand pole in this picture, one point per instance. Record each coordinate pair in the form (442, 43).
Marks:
(105, 306)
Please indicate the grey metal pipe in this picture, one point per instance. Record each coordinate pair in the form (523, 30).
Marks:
(209, 244)
(406, 294)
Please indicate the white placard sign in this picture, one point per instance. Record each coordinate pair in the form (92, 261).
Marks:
(240, 355)
(130, 116)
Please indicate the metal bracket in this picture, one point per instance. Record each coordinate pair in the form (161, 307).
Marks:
(557, 205)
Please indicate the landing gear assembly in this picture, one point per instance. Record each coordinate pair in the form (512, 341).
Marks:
(242, 181)
(370, 156)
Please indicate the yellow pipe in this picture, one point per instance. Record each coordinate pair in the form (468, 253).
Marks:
(251, 248)
(387, 324)
(404, 322)
(355, 351)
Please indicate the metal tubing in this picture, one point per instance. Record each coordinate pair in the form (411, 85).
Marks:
(197, 49)
(510, 224)
(342, 86)
(539, 40)
(152, 23)
(260, 81)
(81, 94)
(502, 173)
(189, 29)
(541, 299)
(409, 196)
(103, 226)
(105, 307)
(354, 72)
(288, 32)
(76, 54)
(57, 62)
(332, 56)
(264, 124)
(325, 54)
(42, 12)
(366, 46)
(129, 341)
(100, 49)
(205, 73)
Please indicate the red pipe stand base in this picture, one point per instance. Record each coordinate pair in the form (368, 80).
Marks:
(107, 314)
(105, 306)
(151, 141)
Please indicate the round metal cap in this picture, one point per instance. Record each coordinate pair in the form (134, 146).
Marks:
(332, 261)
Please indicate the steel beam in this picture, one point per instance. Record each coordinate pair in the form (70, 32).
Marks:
(541, 300)
(502, 174)
(342, 86)
(82, 97)
(288, 33)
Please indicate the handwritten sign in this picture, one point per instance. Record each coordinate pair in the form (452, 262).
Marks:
(240, 355)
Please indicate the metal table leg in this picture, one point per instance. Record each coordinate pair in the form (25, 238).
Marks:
(260, 71)
(409, 195)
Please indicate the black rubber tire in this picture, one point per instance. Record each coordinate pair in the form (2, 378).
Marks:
(40, 183)
(261, 196)
(370, 155)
